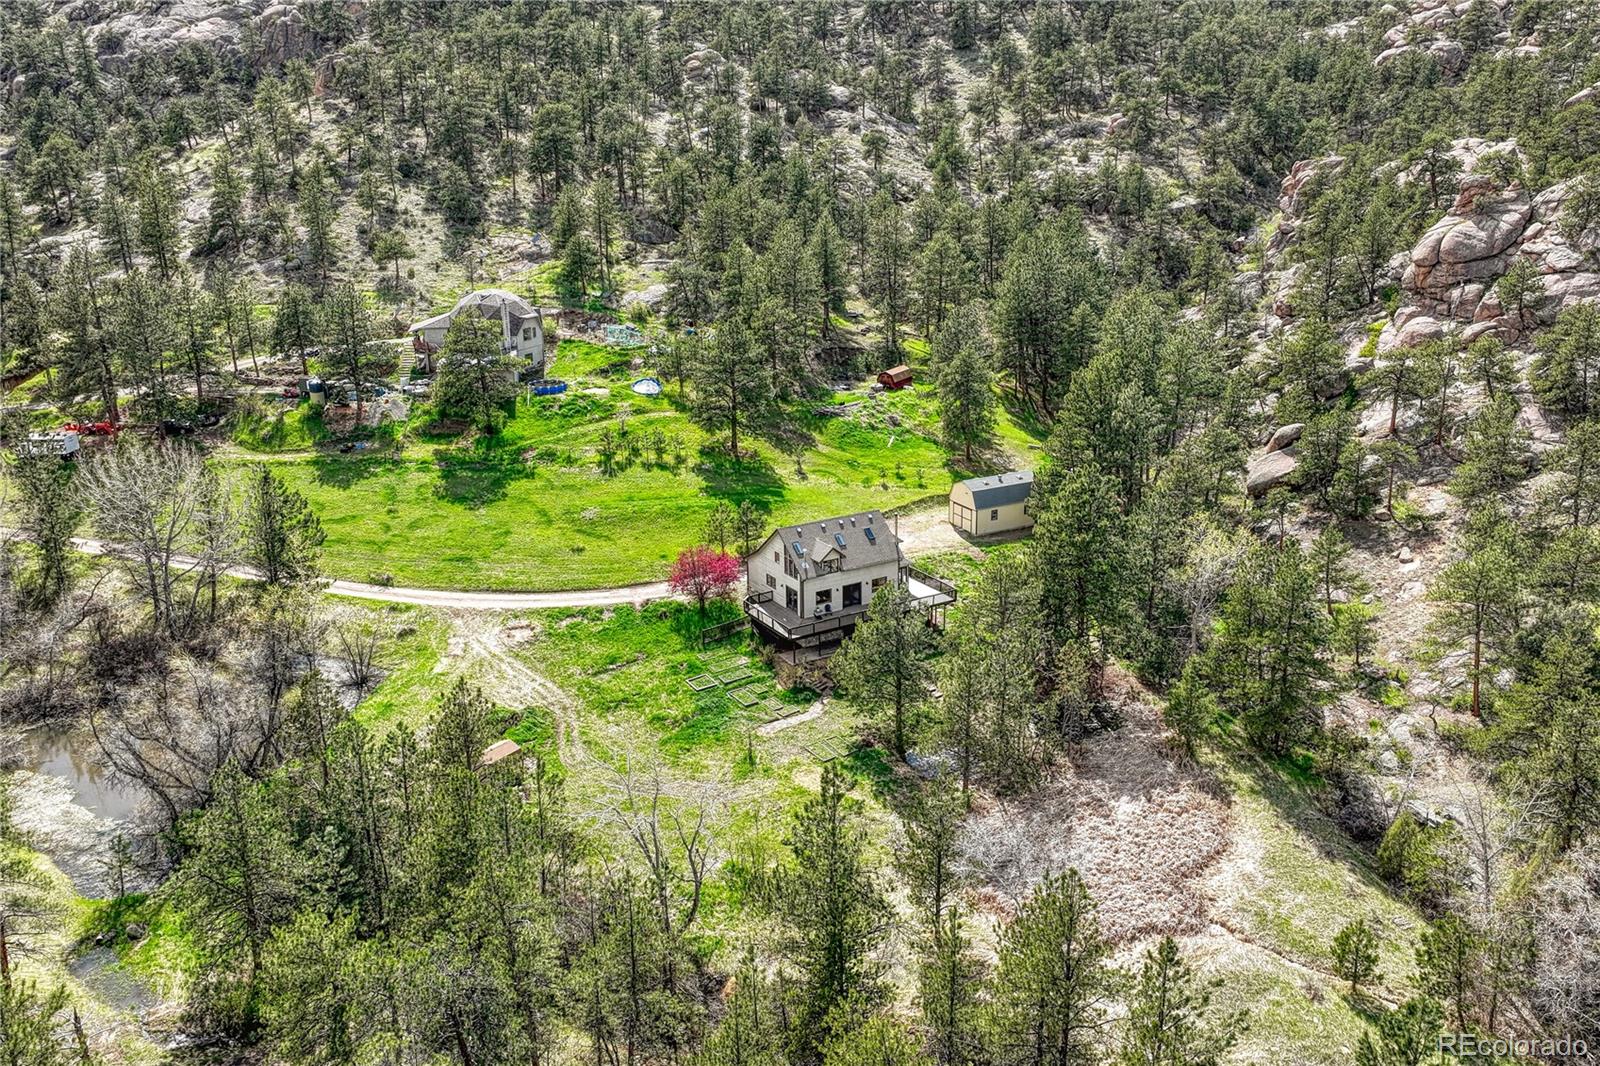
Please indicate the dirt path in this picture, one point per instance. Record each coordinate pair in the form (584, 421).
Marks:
(921, 532)
(449, 598)
(502, 601)
(486, 654)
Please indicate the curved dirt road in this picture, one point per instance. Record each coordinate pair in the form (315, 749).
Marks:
(920, 532)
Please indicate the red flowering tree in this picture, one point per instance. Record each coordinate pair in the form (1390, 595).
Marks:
(704, 573)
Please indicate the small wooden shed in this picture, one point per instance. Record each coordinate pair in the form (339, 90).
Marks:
(497, 751)
(896, 377)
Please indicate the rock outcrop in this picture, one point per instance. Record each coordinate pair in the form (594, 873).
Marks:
(1455, 265)
(118, 34)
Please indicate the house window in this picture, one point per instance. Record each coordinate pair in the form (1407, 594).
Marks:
(772, 582)
(994, 515)
(791, 598)
(824, 599)
(774, 556)
(852, 594)
(878, 583)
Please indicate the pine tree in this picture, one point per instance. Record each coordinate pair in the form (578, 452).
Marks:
(1329, 556)
(1520, 289)
(1394, 378)
(143, 334)
(940, 281)
(1480, 597)
(1406, 1036)
(318, 214)
(932, 823)
(836, 913)
(732, 384)
(1077, 547)
(1546, 738)
(827, 253)
(1576, 488)
(886, 280)
(1268, 664)
(16, 230)
(1191, 709)
(1488, 361)
(872, 1041)
(476, 377)
(963, 358)
(1053, 980)
(1171, 1021)
(282, 535)
(391, 247)
(1449, 964)
(1495, 457)
(347, 333)
(224, 212)
(1355, 954)
(115, 224)
(244, 876)
(297, 326)
(1395, 461)
(158, 218)
(49, 514)
(962, 701)
(948, 984)
(1566, 373)
(883, 667)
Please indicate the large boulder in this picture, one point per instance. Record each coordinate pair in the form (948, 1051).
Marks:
(1284, 436)
(1270, 470)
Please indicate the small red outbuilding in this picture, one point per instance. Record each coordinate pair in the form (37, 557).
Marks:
(896, 377)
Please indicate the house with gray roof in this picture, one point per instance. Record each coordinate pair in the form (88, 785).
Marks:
(521, 327)
(988, 506)
(808, 584)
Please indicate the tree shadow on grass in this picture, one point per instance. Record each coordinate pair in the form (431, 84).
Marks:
(476, 480)
(343, 472)
(480, 471)
(750, 478)
(1023, 415)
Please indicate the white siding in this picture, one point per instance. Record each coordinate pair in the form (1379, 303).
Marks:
(764, 572)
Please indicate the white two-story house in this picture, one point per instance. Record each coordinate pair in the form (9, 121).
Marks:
(521, 329)
(808, 584)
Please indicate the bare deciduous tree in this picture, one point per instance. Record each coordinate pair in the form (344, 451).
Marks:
(168, 518)
(673, 843)
(172, 733)
(361, 649)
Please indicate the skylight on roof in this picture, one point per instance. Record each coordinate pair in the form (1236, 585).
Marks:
(799, 549)
(872, 537)
(838, 538)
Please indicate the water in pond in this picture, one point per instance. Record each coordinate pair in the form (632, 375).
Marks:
(68, 806)
(72, 756)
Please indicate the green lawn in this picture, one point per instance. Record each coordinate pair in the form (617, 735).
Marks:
(275, 427)
(542, 507)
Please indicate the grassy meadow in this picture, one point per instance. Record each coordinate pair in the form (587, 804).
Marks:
(596, 487)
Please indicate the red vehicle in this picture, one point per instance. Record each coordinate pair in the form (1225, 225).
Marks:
(93, 429)
(290, 392)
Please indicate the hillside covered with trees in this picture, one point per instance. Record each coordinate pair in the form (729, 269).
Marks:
(1277, 739)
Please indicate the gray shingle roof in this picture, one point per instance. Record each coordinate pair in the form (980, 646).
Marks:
(998, 490)
(859, 550)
